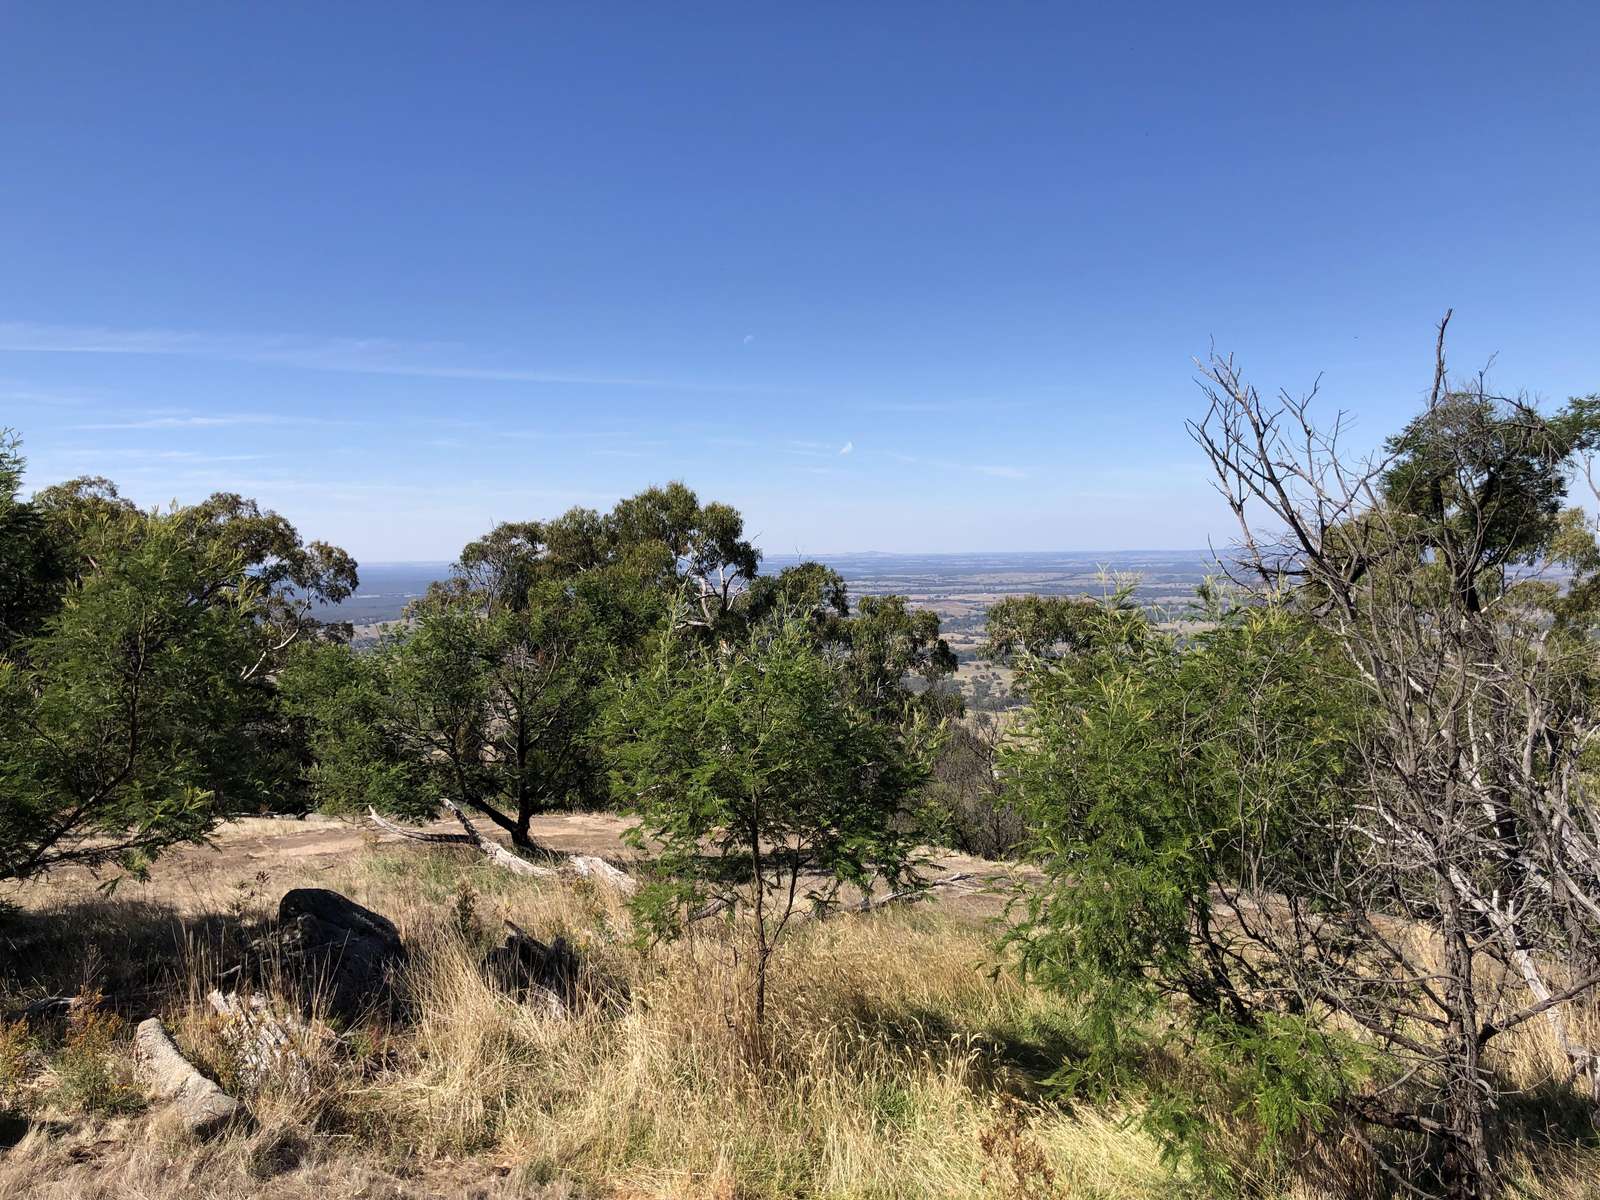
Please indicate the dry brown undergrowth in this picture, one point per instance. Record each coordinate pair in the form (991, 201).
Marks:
(899, 1066)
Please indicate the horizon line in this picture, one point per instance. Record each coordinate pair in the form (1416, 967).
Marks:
(434, 562)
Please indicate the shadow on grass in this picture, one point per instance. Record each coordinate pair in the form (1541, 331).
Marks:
(1554, 1114)
(1016, 1058)
(135, 953)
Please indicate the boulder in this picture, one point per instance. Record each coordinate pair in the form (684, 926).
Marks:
(269, 1045)
(345, 954)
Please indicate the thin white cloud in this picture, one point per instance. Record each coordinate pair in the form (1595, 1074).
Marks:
(566, 434)
(364, 356)
(135, 454)
(214, 421)
(993, 470)
(25, 395)
(977, 404)
(846, 448)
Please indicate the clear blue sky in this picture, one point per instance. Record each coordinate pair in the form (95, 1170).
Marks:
(895, 277)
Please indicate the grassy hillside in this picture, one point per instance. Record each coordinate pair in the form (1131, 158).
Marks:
(900, 1063)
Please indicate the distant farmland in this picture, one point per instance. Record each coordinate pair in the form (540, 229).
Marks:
(959, 586)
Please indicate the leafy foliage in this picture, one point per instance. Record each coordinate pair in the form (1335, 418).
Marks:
(490, 707)
(32, 570)
(1152, 771)
(137, 700)
(761, 787)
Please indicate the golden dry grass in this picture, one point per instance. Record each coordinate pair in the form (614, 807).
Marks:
(897, 1065)
(892, 1051)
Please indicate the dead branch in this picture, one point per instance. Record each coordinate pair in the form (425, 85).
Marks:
(910, 894)
(417, 835)
(581, 866)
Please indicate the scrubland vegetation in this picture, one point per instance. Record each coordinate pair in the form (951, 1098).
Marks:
(1305, 896)
(891, 1057)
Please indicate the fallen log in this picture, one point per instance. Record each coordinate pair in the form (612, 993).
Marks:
(490, 849)
(203, 1106)
(495, 852)
(268, 1045)
(417, 835)
(45, 1006)
(592, 866)
(908, 895)
(583, 866)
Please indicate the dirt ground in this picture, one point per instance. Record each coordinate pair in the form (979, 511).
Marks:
(257, 851)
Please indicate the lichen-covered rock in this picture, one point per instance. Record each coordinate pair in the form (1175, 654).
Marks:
(203, 1106)
(343, 953)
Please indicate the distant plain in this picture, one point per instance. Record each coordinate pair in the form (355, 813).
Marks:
(959, 587)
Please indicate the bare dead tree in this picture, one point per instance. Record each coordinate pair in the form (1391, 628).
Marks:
(1458, 895)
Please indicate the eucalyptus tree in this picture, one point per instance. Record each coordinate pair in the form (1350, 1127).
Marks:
(138, 701)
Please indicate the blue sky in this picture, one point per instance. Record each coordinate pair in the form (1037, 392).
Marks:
(898, 277)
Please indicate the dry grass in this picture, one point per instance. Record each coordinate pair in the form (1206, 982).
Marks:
(897, 1065)
(892, 1057)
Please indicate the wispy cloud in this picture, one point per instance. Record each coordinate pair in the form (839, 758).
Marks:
(978, 404)
(41, 397)
(365, 356)
(135, 454)
(210, 421)
(846, 448)
(993, 470)
(535, 435)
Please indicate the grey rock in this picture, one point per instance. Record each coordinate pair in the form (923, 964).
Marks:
(203, 1106)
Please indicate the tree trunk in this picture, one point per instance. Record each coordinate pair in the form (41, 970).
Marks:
(1466, 1172)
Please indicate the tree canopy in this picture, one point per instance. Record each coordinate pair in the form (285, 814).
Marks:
(138, 705)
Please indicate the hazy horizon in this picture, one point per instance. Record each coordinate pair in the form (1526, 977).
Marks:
(824, 555)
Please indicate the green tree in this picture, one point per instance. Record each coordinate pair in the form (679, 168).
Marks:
(761, 786)
(886, 645)
(488, 692)
(700, 547)
(1160, 778)
(142, 712)
(138, 662)
(489, 707)
(33, 572)
(890, 654)
(1040, 627)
